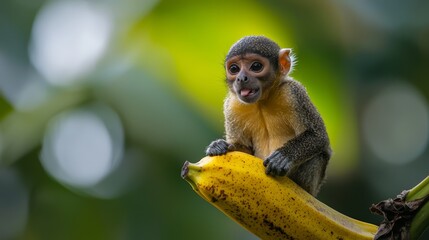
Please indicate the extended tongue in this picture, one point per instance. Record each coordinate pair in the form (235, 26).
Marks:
(245, 92)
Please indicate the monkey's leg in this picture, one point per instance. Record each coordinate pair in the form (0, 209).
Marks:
(311, 174)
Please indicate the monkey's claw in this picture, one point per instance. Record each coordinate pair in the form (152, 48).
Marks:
(217, 147)
(277, 164)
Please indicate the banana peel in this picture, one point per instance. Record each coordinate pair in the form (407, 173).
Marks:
(269, 207)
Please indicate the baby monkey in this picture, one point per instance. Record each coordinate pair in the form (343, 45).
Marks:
(269, 115)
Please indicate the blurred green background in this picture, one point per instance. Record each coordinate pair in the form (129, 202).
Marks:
(101, 102)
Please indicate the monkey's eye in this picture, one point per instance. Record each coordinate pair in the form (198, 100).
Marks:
(234, 69)
(256, 67)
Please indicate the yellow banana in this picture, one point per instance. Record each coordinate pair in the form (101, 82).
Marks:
(270, 208)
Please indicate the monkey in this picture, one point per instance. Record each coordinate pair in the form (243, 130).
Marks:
(268, 114)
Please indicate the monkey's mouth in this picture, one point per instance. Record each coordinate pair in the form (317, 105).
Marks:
(249, 95)
(248, 92)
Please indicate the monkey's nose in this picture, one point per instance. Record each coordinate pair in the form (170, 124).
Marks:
(242, 78)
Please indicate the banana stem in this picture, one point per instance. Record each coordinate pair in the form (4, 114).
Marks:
(421, 190)
(421, 220)
(406, 216)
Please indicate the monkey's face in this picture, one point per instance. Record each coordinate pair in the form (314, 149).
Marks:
(248, 76)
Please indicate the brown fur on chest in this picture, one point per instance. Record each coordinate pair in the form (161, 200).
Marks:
(265, 126)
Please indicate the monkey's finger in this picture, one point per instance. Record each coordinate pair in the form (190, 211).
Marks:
(269, 166)
(216, 151)
(218, 147)
(266, 162)
(271, 169)
(277, 168)
(283, 167)
(272, 158)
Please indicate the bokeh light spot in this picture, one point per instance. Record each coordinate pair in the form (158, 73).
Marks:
(396, 123)
(68, 38)
(79, 147)
(79, 140)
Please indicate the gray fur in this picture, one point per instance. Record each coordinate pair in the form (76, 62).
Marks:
(256, 44)
(310, 151)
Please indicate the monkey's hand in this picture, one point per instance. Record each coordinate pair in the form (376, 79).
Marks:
(217, 147)
(278, 164)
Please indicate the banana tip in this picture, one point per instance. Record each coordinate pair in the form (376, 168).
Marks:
(185, 170)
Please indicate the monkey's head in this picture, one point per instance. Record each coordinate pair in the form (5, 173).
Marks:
(254, 65)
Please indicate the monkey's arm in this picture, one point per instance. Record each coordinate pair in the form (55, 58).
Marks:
(312, 141)
(235, 138)
(294, 153)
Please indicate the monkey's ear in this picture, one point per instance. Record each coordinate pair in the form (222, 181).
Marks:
(285, 62)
